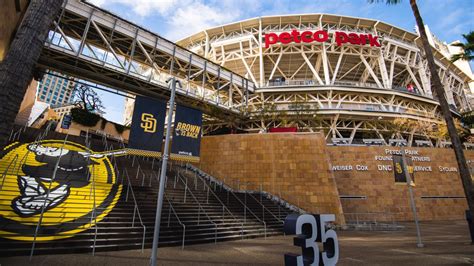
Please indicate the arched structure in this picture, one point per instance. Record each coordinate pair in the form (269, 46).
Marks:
(352, 77)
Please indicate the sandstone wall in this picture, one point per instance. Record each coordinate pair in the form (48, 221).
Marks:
(337, 179)
(294, 166)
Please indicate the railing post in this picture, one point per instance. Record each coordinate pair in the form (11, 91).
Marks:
(128, 188)
(207, 200)
(245, 208)
(195, 182)
(169, 214)
(134, 212)
(184, 233)
(185, 189)
(138, 171)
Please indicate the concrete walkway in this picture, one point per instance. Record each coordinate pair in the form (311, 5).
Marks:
(446, 243)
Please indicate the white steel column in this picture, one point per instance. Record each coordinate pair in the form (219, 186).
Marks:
(369, 68)
(325, 65)
(383, 71)
(312, 68)
(262, 72)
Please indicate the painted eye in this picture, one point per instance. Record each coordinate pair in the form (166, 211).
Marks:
(39, 152)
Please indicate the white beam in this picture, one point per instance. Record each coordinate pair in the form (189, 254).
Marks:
(312, 68)
(371, 71)
(325, 65)
(336, 70)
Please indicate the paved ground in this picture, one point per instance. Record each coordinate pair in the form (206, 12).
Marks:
(446, 243)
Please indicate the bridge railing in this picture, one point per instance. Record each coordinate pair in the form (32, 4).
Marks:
(115, 46)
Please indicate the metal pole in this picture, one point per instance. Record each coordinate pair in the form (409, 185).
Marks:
(412, 200)
(164, 164)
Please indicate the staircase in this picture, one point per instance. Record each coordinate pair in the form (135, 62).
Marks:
(195, 210)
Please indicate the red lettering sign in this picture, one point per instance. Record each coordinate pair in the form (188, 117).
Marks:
(320, 36)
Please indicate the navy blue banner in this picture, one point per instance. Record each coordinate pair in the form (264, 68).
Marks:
(187, 134)
(398, 169)
(148, 122)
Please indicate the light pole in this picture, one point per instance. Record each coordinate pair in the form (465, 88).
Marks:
(161, 191)
(412, 200)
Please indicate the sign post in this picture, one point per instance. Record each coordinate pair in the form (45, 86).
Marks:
(412, 200)
(159, 205)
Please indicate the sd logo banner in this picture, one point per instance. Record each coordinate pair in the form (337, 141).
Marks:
(398, 170)
(186, 134)
(148, 122)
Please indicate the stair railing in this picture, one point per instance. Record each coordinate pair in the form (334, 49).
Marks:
(94, 215)
(171, 208)
(136, 211)
(18, 162)
(224, 208)
(200, 207)
(236, 184)
(38, 225)
(263, 206)
(245, 209)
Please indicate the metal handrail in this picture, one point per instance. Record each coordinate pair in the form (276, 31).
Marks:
(200, 207)
(245, 209)
(261, 192)
(46, 198)
(224, 207)
(264, 208)
(217, 198)
(251, 212)
(135, 209)
(177, 218)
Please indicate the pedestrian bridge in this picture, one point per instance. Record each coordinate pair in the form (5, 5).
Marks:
(95, 45)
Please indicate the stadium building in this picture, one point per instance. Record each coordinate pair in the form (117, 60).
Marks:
(333, 79)
(354, 78)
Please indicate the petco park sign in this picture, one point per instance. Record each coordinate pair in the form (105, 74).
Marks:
(320, 36)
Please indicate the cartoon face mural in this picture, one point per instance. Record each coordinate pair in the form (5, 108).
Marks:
(68, 199)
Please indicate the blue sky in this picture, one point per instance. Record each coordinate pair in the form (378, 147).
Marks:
(175, 19)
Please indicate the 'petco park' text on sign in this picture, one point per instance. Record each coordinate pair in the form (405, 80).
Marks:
(320, 36)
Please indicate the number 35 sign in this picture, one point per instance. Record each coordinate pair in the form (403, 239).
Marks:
(310, 229)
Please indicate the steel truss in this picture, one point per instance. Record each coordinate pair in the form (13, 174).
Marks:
(396, 64)
(347, 86)
(341, 89)
(95, 45)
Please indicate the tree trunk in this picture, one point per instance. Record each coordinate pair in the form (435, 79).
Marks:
(16, 70)
(439, 90)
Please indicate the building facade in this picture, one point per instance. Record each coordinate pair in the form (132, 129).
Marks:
(353, 78)
(56, 89)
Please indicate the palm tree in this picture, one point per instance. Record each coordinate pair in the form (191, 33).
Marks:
(16, 70)
(439, 91)
(467, 48)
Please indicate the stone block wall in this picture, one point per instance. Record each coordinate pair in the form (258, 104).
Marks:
(294, 166)
(438, 192)
(303, 170)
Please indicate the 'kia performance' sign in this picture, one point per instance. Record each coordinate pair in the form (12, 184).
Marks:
(320, 36)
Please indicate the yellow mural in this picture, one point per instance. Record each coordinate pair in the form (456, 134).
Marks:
(64, 180)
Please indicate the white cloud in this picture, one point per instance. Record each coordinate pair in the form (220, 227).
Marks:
(143, 7)
(191, 19)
